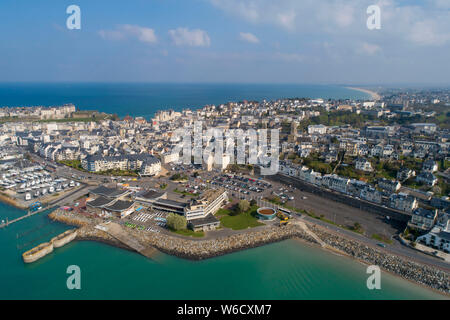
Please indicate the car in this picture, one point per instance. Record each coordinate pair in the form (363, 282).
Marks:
(381, 245)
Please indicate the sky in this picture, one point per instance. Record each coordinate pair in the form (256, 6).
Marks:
(226, 41)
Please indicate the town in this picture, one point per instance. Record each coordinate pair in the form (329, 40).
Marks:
(384, 161)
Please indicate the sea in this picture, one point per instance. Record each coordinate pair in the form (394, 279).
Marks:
(285, 270)
(144, 99)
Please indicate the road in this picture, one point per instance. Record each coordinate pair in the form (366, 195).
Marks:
(398, 249)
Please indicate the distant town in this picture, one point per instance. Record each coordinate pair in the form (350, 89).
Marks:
(375, 169)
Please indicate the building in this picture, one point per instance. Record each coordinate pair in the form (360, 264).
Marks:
(371, 194)
(422, 219)
(204, 224)
(208, 204)
(430, 166)
(427, 178)
(335, 182)
(151, 166)
(363, 165)
(428, 128)
(390, 186)
(148, 197)
(437, 238)
(145, 163)
(109, 202)
(403, 202)
(405, 173)
(317, 129)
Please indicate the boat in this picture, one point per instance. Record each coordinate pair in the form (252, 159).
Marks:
(38, 252)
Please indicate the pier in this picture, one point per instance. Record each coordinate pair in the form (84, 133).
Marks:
(29, 214)
(66, 198)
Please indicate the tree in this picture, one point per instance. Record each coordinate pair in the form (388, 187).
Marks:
(253, 203)
(176, 222)
(244, 206)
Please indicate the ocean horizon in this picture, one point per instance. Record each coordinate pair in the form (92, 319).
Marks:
(144, 99)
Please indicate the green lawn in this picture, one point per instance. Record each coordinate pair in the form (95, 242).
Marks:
(381, 238)
(76, 164)
(239, 222)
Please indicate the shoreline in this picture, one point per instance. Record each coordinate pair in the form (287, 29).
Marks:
(10, 201)
(426, 276)
(374, 94)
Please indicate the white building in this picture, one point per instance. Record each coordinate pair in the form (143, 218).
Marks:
(403, 202)
(317, 129)
(363, 165)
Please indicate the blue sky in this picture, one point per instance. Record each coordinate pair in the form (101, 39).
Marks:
(272, 41)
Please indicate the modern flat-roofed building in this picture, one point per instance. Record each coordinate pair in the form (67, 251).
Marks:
(110, 193)
(120, 208)
(209, 203)
(149, 196)
(438, 238)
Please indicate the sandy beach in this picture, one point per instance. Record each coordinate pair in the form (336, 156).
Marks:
(374, 95)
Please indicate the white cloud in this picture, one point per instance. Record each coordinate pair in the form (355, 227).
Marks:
(368, 48)
(426, 33)
(249, 37)
(425, 24)
(193, 38)
(143, 34)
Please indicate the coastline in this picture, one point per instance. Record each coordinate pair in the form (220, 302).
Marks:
(10, 201)
(374, 95)
(427, 276)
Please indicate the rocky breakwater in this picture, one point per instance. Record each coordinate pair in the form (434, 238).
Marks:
(198, 250)
(69, 218)
(429, 276)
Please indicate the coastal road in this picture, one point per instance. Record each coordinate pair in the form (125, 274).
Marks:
(400, 249)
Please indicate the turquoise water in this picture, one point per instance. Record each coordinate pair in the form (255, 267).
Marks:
(285, 270)
(144, 99)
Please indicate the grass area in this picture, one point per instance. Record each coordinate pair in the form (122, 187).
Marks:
(76, 164)
(239, 222)
(357, 228)
(189, 233)
(381, 238)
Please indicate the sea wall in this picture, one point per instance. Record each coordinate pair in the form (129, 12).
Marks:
(423, 274)
(203, 249)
